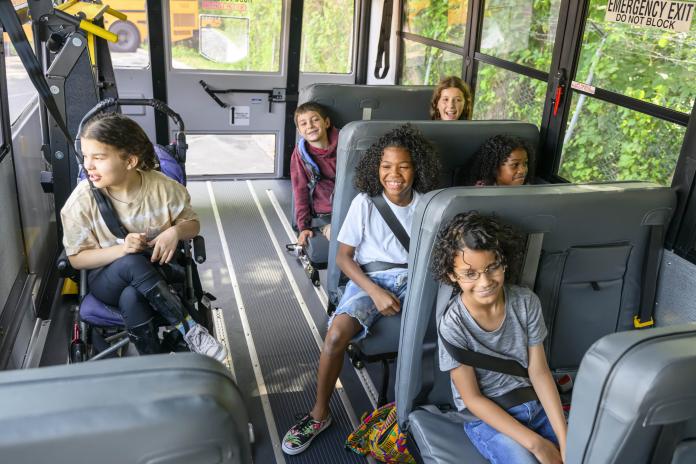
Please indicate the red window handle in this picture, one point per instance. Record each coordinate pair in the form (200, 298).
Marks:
(557, 100)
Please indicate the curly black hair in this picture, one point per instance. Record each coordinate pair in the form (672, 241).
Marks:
(477, 232)
(491, 155)
(426, 164)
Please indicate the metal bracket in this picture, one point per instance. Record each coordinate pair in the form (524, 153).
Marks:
(274, 96)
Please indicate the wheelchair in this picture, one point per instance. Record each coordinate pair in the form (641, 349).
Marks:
(98, 330)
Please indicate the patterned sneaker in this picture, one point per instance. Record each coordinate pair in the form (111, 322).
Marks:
(300, 435)
(200, 341)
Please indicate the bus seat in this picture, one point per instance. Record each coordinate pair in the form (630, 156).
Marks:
(149, 409)
(456, 142)
(657, 419)
(563, 213)
(346, 103)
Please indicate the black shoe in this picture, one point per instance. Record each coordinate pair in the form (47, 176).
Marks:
(144, 337)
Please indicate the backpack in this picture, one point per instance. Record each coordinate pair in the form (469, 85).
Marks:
(378, 436)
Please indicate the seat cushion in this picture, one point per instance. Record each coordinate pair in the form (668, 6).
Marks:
(441, 440)
(318, 250)
(100, 314)
(383, 338)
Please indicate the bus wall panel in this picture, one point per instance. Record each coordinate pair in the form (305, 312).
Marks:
(11, 249)
(37, 207)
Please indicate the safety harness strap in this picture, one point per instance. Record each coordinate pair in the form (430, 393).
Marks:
(11, 25)
(392, 222)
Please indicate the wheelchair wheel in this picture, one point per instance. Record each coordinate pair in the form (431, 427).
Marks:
(78, 351)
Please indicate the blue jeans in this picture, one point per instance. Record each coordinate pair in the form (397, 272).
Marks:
(356, 303)
(498, 447)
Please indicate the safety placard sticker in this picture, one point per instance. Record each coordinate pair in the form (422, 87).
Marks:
(239, 116)
(587, 88)
(662, 14)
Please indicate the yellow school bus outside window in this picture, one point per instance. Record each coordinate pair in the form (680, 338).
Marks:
(134, 31)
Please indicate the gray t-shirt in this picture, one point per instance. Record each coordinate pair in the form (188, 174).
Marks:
(523, 326)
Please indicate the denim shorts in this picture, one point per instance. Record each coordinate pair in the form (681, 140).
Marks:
(498, 447)
(356, 303)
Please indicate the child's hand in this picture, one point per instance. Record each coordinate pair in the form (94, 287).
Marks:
(164, 245)
(386, 302)
(304, 235)
(546, 452)
(134, 243)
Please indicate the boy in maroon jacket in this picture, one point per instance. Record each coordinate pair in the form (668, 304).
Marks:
(313, 170)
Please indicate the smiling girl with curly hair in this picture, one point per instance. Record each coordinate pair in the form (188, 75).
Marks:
(396, 170)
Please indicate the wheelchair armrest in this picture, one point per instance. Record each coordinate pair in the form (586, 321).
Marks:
(64, 267)
(199, 249)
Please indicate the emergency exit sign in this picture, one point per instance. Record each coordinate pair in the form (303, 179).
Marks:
(662, 14)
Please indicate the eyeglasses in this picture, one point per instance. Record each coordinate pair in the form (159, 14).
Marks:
(471, 275)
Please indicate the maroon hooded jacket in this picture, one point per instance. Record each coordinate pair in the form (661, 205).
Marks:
(299, 177)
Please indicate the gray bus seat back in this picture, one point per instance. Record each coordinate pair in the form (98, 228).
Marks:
(455, 142)
(148, 409)
(570, 216)
(346, 103)
(630, 385)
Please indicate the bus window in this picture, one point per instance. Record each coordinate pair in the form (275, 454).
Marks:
(20, 90)
(501, 94)
(428, 25)
(521, 32)
(427, 65)
(131, 50)
(604, 141)
(217, 35)
(437, 20)
(647, 63)
(250, 154)
(327, 36)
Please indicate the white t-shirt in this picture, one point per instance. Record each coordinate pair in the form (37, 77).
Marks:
(364, 229)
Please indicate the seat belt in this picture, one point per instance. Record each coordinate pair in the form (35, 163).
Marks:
(11, 25)
(484, 361)
(383, 45)
(495, 364)
(651, 270)
(397, 229)
(392, 222)
(108, 214)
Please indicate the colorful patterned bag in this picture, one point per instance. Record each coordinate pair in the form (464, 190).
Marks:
(378, 436)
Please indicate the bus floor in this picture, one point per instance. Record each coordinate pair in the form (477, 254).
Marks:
(274, 318)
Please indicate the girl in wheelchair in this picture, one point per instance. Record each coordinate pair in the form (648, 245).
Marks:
(155, 210)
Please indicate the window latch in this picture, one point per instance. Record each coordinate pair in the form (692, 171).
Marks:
(559, 81)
